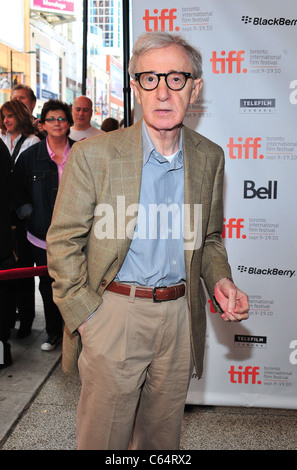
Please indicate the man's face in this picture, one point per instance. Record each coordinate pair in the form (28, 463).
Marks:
(82, 113)
(164, 109)
(23, 95)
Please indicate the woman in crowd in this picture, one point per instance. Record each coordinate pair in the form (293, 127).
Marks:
(7, 260)
(16, 126)
(36, 179)
(17, 133)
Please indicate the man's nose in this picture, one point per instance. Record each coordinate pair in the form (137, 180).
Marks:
(162, 89)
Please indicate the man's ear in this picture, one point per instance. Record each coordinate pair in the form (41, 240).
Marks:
(196, 89)
(134, 87)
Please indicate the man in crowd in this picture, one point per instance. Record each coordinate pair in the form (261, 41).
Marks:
(82, 110)
(129, 288)
(25, 94)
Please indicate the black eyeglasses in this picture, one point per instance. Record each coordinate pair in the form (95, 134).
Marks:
(174, 80)
(53, 119)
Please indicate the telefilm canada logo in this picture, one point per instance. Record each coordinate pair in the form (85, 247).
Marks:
(250, 341)
(267, 271)
(259, 21)
(257, 105)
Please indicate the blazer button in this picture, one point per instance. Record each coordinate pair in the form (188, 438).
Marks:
(103, 282)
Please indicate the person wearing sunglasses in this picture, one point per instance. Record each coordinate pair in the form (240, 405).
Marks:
(127, 277)
(36, 176)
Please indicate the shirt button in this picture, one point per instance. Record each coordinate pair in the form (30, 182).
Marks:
(103, 282)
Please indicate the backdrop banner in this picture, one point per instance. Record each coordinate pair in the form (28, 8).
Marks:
(248, 105)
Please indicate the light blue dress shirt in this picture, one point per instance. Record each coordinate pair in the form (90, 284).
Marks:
(156, 254)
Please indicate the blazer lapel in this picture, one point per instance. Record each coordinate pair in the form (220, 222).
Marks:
(125, 180)
(194, 167)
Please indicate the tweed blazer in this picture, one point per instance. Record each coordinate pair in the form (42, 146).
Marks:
(82, 263)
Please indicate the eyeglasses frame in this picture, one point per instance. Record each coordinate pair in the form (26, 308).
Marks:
(53, 119)
(187, 75)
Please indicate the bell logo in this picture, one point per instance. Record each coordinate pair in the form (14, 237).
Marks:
(248, 148)
(244, 376)
(233, 226)
(228, 64)
(250, 191)
(159, 22)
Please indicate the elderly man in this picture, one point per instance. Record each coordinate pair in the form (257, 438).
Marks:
(129, 287)
(82, 111)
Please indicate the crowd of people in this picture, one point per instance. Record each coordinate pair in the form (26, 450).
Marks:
(33, 153)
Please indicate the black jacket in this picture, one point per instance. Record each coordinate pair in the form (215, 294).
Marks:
(5, 204)
(35, 186)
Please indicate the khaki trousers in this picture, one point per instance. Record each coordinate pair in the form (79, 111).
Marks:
(135, 368)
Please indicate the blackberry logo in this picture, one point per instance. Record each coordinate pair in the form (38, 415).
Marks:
(268, 21)
(266, 271)
(246, 19)
(242, 269)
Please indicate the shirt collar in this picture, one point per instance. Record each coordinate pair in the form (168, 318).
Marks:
(65, 153)
(149, 148)
(15, 140)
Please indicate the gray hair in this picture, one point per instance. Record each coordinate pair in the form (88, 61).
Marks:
(158, 40)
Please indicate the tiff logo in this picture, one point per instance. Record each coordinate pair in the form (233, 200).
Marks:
(248, 148)
(244, 376)
(233, 225)
(158, 22)
(228, 64)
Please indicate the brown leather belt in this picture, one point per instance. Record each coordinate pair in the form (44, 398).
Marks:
(158, 294)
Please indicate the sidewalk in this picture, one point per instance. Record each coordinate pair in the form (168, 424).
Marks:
(38, 407)
(31, 366)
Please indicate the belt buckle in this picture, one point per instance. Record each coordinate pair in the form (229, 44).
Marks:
(154, 293)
